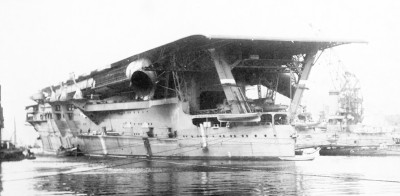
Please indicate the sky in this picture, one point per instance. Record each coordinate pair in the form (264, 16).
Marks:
(43, 41)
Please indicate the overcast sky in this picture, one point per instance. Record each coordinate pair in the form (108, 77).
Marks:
(41, 42)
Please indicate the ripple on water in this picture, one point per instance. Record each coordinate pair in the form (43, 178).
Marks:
(83, 176)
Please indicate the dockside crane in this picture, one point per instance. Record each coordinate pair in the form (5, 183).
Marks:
(347, 93)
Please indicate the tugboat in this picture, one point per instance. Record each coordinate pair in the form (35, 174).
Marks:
(8, 150)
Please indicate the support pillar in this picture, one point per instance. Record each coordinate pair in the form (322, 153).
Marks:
(233, 93)
(148, 147)
(301, 86)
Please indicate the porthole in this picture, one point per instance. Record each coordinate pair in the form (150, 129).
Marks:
(265, 135)
(255, 135)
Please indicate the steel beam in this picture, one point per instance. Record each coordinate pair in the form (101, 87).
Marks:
(233, 93)
(301, 85)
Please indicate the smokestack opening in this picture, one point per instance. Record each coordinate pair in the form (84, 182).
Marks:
(141, 82)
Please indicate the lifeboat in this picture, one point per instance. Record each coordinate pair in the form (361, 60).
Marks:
(247, 117)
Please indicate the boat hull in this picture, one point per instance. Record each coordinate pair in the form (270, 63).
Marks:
(217, 148)
(174, 134)
(392, 150)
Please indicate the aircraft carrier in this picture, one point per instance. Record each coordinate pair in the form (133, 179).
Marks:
(185, 99)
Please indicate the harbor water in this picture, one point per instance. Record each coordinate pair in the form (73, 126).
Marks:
(339, 175)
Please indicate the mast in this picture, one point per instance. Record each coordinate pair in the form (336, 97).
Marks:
(1, 119)
(15, 133)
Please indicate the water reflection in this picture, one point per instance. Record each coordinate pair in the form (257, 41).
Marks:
(325, 176)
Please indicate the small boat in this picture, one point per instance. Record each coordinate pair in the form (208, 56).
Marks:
(31, 157)
(246, 117)
(274, 108)
(69, 152)
(306, 155)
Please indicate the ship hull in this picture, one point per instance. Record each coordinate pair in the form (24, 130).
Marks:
(252, 140)
(217, 148)
(391, 150)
